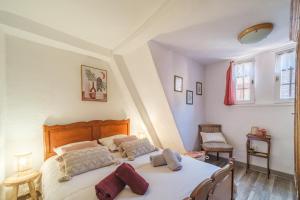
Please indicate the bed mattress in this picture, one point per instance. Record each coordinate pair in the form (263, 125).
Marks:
(163, 183)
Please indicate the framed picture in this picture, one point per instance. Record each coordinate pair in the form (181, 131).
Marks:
(93, 84)
(198, 88)
(178, 84)
(189, 97)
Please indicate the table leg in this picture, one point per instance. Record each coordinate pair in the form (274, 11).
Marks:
(32, 190)
(247, 149)
(15, 191)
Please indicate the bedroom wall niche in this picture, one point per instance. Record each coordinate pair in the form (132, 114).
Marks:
(237, 120)
(187, 117)
(44, 87)
(143, 73)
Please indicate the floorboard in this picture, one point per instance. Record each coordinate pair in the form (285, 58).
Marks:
(256, 186)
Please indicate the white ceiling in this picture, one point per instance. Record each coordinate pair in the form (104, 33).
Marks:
(205, 30)
(213, 40)
(103, 22)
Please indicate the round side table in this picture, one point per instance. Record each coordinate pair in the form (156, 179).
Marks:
(16, 180)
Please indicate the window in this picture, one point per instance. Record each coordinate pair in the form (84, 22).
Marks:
(285, 75)
(244, 82)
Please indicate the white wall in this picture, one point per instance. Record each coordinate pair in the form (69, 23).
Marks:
(187, 117)
(237, 120)
(43, 87)
(145, 78)
(2, 107)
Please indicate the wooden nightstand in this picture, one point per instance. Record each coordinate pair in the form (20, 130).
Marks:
(253, 152)
(16, 180)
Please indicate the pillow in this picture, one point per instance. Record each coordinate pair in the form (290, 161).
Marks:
(135, 148)
(109, 141)
(84, 160)
(212, 137)
(75, 146)
(119, 141)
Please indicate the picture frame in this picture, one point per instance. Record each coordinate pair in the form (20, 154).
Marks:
(198, 88)
(178, 83)
(189, 97)
(93, 84)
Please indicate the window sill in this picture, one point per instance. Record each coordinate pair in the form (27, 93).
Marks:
(275, 104)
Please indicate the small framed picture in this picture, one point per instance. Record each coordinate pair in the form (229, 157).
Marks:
(189, 97)
(198, 88)
(178, 84)
(93, 84)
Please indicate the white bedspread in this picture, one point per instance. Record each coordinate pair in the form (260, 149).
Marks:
(164, 184)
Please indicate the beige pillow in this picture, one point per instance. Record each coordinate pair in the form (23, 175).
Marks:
(212, 137)
(119, 141)
(135, 148)
(84, 160)
(109, 141)
(75, 146)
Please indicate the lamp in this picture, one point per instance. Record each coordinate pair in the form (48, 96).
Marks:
(24, 162)
(255, 33)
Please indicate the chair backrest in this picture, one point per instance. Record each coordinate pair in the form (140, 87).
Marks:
(208, 128)
(220, 176)
(202, 190)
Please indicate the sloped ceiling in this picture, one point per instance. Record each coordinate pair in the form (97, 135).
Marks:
(102, 22)
(204, 30)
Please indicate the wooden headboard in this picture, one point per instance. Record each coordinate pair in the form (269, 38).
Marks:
(58, 135)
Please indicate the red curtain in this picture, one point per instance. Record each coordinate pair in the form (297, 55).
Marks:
(229, 92)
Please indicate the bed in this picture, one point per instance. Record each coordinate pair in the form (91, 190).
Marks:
(164, 184)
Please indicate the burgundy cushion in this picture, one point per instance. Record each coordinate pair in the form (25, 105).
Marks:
(109, 187)
(136, 183)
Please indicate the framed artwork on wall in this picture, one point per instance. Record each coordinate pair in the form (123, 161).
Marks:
(189, 97)
(178, 84)
(93, 84)
(198, 88)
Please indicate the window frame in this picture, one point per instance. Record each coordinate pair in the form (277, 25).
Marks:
(277, 77)
(252, 82)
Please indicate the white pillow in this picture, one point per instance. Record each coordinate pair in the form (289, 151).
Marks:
(109, 141)
(212, 137)
(75, 146)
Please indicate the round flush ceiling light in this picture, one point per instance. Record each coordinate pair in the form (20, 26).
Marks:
(255, 33)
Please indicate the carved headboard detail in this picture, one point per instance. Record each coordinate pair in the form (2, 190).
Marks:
(58, 135)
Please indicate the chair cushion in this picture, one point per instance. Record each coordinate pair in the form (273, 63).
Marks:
(212, 137)
(217, 146)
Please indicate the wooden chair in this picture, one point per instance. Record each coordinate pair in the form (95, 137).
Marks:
(214, 147)
(202, 191)
(225, 176)
(218, 187)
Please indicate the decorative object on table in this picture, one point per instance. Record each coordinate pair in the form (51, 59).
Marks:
(260, 132)
(93, 84)
(212, 132)
(178, 84)
(16, 180)
(252, 152)
(198, 88)
(24, 163)
(189, 97)
(254, 129)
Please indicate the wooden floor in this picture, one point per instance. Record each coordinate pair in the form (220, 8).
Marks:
(256, 186)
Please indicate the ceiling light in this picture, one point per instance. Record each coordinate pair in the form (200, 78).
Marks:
(255, 33)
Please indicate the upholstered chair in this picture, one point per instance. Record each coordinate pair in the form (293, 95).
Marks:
(215, 140)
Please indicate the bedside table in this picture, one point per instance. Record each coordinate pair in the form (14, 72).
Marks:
(26, 178)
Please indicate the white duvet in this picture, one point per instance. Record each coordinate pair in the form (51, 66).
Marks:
(163, 183)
